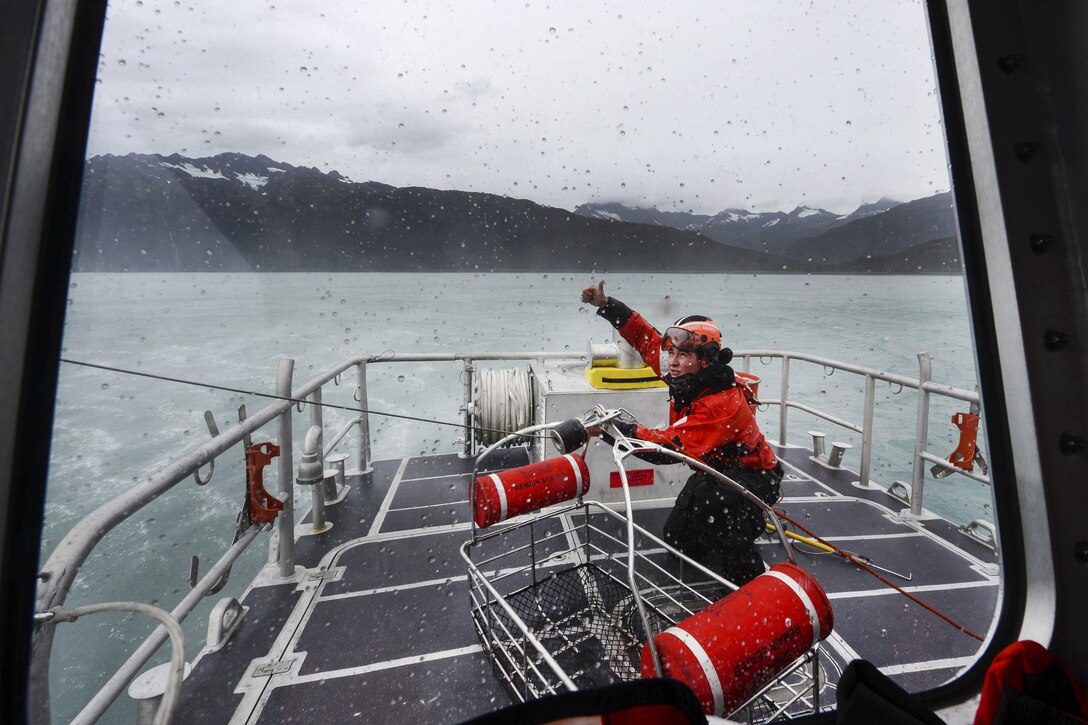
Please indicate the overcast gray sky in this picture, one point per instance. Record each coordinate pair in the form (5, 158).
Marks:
(680, 105)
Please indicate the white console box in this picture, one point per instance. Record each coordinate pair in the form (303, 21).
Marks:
(561, 392)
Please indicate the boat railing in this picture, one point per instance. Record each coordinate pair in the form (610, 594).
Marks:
(923, 384)
(58, 574)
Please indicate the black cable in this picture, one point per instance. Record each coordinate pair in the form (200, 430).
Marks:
(224, 388)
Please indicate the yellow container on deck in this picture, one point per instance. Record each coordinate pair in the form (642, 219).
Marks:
(613, 378)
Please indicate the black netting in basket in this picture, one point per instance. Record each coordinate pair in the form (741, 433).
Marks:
(586, 620)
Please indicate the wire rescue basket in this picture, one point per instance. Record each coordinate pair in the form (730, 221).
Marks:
(580, 596)
(554, 612)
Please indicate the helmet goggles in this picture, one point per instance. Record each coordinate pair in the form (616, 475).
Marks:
(691, 335)
(680, 338)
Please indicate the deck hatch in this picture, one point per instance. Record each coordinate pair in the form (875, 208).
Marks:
(273, 668)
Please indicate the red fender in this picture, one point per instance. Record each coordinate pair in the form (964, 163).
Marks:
(738, 644)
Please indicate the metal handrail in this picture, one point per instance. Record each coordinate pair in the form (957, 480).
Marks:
(340, 435)
(922, 384)
(60, 569)
(113, 688)
(970, 396)
(170, 627)
(59, 572)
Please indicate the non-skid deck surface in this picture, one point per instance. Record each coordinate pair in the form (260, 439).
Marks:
(378, 630)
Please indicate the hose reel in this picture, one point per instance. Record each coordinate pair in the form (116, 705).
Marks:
(502, 402)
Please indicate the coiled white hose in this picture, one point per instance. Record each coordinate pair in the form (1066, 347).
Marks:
(502, 403)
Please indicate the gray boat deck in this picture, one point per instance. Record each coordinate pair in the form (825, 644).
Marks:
(377, 629)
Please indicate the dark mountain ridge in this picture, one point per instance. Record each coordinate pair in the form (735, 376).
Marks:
(232, 212)
(236, 213)
(887, 233)
(937, 256)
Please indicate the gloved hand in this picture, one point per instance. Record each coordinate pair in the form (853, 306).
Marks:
(625, 425)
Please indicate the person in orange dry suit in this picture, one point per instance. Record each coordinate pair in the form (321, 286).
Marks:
(709, 419)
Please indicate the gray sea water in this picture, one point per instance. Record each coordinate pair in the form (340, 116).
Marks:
(113, 430)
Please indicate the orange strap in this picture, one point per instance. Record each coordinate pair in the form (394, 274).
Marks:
(964, 455)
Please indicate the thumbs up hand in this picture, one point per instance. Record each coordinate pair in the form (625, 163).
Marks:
(594, 294)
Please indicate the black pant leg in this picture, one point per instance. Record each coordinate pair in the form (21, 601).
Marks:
(681, 530)
(711, 516)
(743, 523)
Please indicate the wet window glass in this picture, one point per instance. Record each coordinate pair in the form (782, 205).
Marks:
(366, 378)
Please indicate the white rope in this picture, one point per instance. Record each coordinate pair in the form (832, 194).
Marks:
(502, 402)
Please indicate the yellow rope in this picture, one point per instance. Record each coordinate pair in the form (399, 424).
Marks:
(805, 540)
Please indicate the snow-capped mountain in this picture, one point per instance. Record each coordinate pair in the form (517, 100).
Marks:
(774, 231)
(639, 215)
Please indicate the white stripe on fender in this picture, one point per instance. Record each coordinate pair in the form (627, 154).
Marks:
(803, 596)
(703, 659)
(501, 490)
(577, 473)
